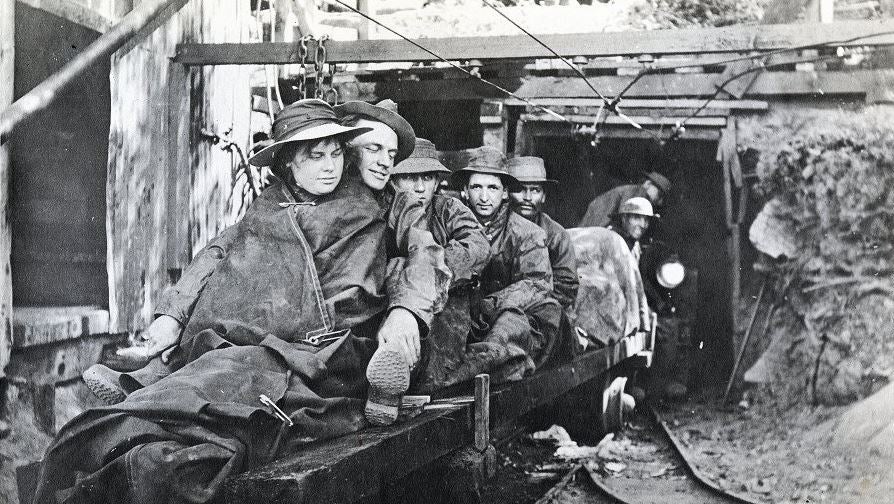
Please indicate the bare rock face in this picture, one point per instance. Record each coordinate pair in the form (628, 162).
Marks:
(828, 179)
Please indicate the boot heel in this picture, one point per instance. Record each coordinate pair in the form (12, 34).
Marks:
(389, 379)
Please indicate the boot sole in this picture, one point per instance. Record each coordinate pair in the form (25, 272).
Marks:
(102, 386)
(389, 378)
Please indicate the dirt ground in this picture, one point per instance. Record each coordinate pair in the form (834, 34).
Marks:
(768, 453)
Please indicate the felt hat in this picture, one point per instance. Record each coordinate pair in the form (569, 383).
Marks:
(637, 206)
(384, 112)
(529, 169)
(424, 159)
(660, 181)
(487, 160)
(309, 119)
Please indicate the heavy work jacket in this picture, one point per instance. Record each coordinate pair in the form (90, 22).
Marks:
(604, 206)
(454, 227)
(350, 292)
(295, 268)
(519, 274)
(561, 256)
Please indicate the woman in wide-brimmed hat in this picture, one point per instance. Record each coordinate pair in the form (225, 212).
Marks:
(289, 312)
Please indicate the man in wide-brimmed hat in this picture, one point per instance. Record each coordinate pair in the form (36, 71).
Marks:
(466, 252)
(527, 198)
(389, 141)
(516, 319)
(654, 188)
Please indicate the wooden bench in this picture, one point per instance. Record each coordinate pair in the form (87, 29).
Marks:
(363, 464)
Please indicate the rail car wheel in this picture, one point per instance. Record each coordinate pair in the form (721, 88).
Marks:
(611, 415)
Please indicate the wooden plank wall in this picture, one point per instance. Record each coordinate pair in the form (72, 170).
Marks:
(7, 65)
(168, 188)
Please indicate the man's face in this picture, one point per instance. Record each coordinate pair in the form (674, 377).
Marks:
(653, 192)
(634, 225)
(419, 186)
(528, 199)
(485, 193)
(318, 168)
(375, 151)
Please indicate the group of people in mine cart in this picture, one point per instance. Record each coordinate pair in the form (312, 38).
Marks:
(350, 281)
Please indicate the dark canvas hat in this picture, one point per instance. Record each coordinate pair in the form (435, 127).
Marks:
(424, 159)
(303, 120)
(660, 180)
(384, 112)
(529, 169)
(487, 160)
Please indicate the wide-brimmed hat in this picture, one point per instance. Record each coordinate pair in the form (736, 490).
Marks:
(637, 206)
(660, 181)
(384, 112)
(487, 160)
(309, 119)
(424, 159)
(529, 170)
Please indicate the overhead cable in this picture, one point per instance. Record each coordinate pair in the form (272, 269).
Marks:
(610, 105)
(456, 66)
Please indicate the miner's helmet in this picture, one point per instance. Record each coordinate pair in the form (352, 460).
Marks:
(637, 206)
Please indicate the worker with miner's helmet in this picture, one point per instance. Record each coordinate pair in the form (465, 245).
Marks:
(632, 221)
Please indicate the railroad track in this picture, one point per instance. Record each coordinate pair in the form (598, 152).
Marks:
(658, 471)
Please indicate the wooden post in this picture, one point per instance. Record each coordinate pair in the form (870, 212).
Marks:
(363, 30)
(482, 412)
(7, 71)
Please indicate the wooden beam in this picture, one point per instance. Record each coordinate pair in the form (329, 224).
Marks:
(707, 122)
(694, 85)
(679, 103)
(47, 91)
(658, 42)
(7, 71)
(654, 88)
(74, 12)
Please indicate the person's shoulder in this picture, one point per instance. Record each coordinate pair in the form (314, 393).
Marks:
(450, 204)
(523, 228)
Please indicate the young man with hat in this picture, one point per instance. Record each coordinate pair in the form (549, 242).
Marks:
(466, 252)
(274, 347)
(389, 141)
(600, 211)
(516, 321)
(527, 199)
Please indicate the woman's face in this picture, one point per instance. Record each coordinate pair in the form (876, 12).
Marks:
(317, 167)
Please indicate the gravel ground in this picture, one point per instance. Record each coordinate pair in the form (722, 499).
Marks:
(767, 453)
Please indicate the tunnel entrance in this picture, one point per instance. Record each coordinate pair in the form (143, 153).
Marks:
(692, 220)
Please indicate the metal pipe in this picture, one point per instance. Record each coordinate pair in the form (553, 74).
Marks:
(47, 91)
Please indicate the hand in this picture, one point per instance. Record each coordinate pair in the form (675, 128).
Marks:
(162, 334)
(401, 331)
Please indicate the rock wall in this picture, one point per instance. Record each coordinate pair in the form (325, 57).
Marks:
(828, 178)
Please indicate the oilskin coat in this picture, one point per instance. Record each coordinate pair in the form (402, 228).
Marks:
(466, 253)
(562, 260)
(290, 312)
(515, 320)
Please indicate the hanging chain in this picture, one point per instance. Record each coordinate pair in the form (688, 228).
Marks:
(302, 70)
(331, 95)
(320, 67)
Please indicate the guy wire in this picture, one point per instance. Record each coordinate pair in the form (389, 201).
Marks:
(456, 66)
